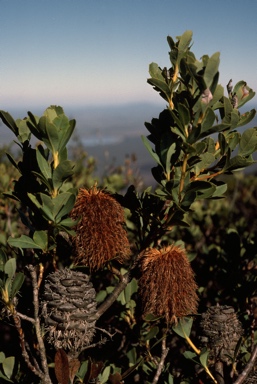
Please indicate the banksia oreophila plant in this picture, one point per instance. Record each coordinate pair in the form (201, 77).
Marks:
(69, 310)
(221, 332)
(167, 285)
(100, 233)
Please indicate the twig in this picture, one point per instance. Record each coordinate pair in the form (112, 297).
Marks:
(41, 273)
(219, 372)
(124, 280)
(183, 175)
(243, 375)
(165, 351)
(17, 323)
(104, 331)
(24, 317)
(42, 351)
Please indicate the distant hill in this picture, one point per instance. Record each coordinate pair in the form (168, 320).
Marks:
(109, 133)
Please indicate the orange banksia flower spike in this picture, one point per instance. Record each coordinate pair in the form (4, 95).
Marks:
(100, 234)
(167, 285)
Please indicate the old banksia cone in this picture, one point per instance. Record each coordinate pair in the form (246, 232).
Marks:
(100, 234)
(167, 284)
(69, 310)
(221, 332)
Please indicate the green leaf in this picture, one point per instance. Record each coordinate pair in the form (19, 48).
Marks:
(83, 369)
(132, 356)
(237, 163)
(206, 160)
(101, 295)
(8, 287)
(103, 377)
(8, 366)
(183, 327)
(23, 242)
(208, 120)
(17, 283)
(67, 134)
(2, 357)
(45, 205)
(179, 123)
(43, 164)
(5, 378)
(246, 118)
(162, 87)
(203, 189)
(211, 69)
(52, 137)
(155, 72)
(130, 289)
(12, 161)
(151, 151)
(190, 355)
(24, 132)
(3, 259)
(243, 92)
(158, 81)
(184, 42)
(41, 239)
(63, 204)
(214, 129)
(248, 142)
(222, 143)
(204, 357)
(170, 152)
(68, 222)
(188, 200)
(10, 267)
(217, 95)
(184, 115)
(151, 334)
(62, 172)
(121, 298)
(9, 121)
(220, 190)
(233, 140)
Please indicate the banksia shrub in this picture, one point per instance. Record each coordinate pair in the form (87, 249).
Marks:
(167, 284)
(69, 310)
(100, 234)
(221, 332)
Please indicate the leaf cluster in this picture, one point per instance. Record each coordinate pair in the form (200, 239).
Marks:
(43, 186)
(196, 138)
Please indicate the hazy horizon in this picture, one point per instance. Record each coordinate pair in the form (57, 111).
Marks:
(98, 52)
(111, 133)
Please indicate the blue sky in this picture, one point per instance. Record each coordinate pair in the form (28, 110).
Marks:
(97, 52)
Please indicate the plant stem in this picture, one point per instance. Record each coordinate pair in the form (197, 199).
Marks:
(244, 374)
(165, 351)
(198, 352)
(206, 177)
(17, 323)
(124, 280)
(42, 351)
(183, 175)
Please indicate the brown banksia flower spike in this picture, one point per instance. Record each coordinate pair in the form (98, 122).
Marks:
(100, 233)
(167, 285)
